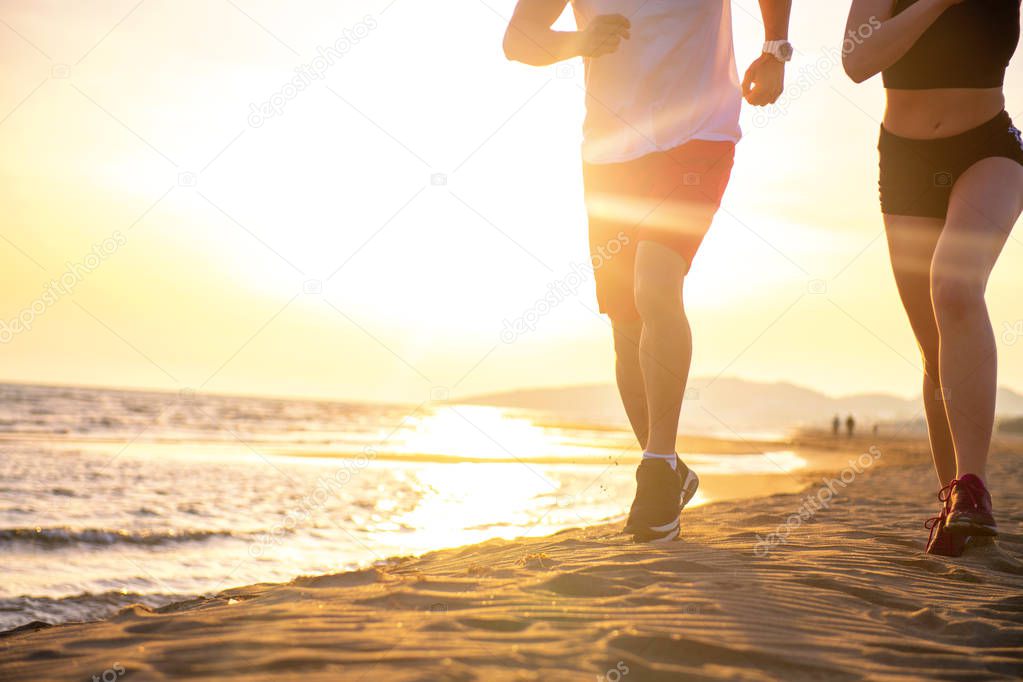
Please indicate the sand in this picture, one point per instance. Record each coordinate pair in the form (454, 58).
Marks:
(848, 594)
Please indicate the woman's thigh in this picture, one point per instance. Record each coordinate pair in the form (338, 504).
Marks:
(985, 205)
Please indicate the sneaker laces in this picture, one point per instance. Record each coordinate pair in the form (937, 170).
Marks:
(935, 523)
(959, 486)
(945, 494)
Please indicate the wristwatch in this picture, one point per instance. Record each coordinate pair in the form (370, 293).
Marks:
(779, 49)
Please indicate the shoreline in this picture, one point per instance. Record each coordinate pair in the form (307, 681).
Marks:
(816, 449)
(805, 441)
(721, 480)
(848, 595)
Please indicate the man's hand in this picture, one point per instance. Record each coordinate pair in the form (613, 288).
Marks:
(603, 35)
(764, 81)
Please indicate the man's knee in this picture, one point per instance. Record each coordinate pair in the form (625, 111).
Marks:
(658, 295)
(658, 284)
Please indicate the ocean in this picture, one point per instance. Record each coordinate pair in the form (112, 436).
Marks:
(110, 498)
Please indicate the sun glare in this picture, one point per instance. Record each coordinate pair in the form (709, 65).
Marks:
(477, 432)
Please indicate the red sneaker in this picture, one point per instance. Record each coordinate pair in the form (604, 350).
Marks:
(941, 541)
(970, 508)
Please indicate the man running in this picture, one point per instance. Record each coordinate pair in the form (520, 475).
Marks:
(662, 120)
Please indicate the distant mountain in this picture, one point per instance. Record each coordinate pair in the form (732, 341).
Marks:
(730, 404)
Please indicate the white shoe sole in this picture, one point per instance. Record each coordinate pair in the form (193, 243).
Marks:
(689, 487)
(669, 532)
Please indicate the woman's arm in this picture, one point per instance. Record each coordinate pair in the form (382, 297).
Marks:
(530, 40)
(876, 39)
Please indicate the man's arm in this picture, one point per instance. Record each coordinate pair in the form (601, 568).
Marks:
(776, 15)
(765, 78)
(875, 39)
(530, 39)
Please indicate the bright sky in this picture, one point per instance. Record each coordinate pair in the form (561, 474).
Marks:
(315, 251)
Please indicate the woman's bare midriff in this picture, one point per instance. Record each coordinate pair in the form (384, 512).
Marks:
(930, 114)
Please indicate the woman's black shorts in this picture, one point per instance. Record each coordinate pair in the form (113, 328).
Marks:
(917, 175)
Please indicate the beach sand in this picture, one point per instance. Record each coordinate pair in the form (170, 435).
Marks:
(847, 595)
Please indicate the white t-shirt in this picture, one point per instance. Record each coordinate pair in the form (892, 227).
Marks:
(673, 81)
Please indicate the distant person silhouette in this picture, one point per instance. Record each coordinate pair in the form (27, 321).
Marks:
(836, 425)
(663, 99)
(850, 426)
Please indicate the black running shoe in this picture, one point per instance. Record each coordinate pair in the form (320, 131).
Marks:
(661, 493)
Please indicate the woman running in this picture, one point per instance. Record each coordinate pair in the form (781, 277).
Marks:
(951, 190)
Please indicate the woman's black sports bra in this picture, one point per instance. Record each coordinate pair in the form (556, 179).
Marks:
(968, 46)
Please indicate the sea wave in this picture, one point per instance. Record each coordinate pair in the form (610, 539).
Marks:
(18, 611)
(63, 537)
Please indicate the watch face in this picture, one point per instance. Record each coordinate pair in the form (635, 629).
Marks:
(785, 51)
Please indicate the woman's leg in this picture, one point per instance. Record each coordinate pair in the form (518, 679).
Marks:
(911, 244)
(986, 202)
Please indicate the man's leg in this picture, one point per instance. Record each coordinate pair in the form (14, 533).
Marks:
(666, 345)
(694, 177)
(630, 376)
(663, 484)
(613, 211)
